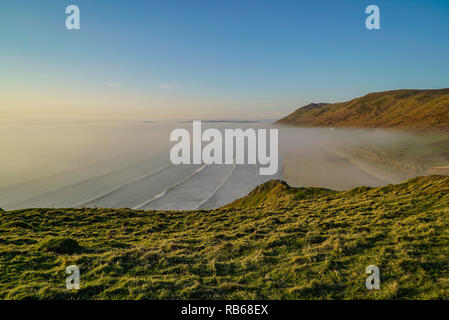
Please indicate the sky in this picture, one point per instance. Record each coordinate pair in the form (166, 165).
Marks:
(214, 59)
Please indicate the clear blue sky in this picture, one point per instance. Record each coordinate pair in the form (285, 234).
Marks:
(212, 59)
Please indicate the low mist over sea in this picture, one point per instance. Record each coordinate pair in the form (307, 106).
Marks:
(126, 164)
(112, 165)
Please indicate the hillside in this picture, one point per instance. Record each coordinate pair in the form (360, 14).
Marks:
(408, 109)
(278, 243)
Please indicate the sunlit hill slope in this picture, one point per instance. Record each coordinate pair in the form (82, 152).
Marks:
(408, 109)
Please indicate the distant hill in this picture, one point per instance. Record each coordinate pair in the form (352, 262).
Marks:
(278, 242)
(409, 109)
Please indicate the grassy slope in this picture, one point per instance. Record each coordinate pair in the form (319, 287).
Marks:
(411, 109)
(278, 242)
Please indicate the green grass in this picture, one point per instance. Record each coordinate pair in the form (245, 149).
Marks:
(276, 243)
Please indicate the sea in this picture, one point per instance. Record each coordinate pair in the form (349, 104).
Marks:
(127, 165)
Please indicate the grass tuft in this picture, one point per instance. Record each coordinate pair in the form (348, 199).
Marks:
(61, 246)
